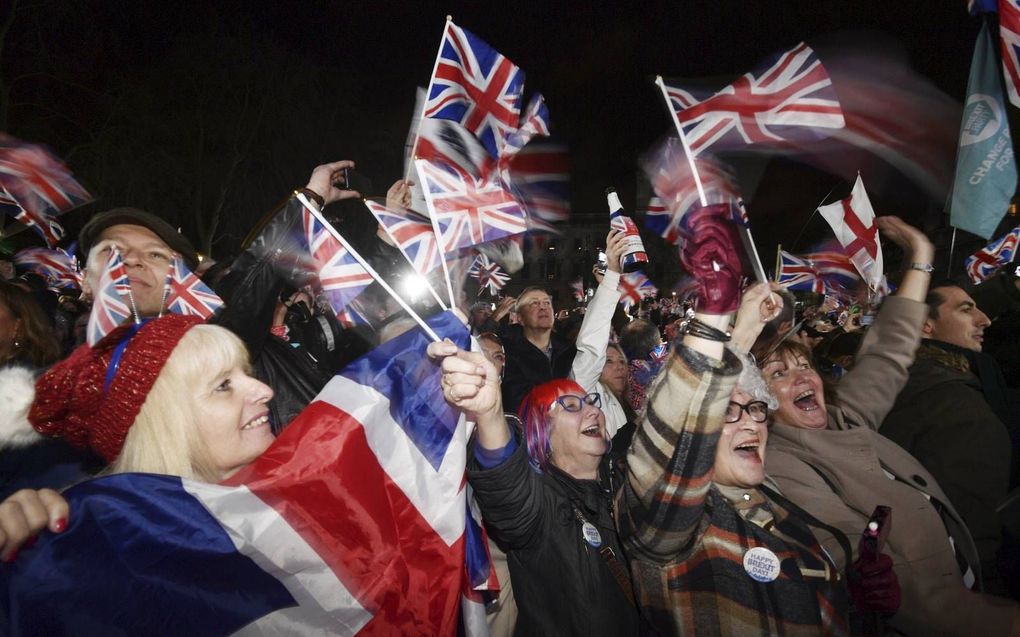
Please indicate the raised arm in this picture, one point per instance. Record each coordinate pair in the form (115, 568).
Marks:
(868, 392)
(593, 337)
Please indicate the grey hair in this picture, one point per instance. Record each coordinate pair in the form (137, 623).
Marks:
(752, 382)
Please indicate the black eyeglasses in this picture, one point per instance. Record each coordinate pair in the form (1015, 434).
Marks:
(756, 409)
(571, 402)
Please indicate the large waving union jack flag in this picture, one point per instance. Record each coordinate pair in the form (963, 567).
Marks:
(341, 276)
(983, 263)
(187, 294)
(796, 273)
(111, 306)
(39, 184)
(633, 287)
(469, 212)
(790, 99)
(477, 86)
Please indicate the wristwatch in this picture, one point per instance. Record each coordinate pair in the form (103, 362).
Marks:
(923, 267)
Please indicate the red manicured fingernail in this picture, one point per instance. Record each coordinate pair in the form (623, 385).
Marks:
(60, 525)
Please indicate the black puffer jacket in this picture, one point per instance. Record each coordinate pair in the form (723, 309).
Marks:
(562, 585)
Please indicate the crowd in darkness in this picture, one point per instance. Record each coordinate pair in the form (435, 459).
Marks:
(712, 464)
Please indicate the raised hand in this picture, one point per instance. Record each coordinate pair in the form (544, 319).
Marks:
(24, 514)
(323, 180)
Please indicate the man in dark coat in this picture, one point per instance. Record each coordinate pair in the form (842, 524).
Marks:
(943, 418)
(534, 353)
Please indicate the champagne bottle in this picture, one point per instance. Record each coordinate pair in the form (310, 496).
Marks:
(634, 256)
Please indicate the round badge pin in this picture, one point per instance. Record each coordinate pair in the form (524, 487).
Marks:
(591, 535)
(761, 564)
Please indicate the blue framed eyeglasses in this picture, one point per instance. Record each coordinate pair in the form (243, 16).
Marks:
(572, 402)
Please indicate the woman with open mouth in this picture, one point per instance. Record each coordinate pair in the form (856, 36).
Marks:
(829, 457)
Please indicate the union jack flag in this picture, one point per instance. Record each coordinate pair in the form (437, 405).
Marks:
(444, 142)
(188, 294)
(635, 286)
(540, 178)
(59, 268)
(341, 276)
(983, 263)
(46, 226)
(791, 99)
(676, 192)
(796, 273)
(489, 275)
(469, 212)
(536, 123)
(477, 86)
(832, 264)
(40, 185)
(413, 235)
(1009, 39)
(111, 306)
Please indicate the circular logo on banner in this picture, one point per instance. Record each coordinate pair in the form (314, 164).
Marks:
(761, 564)
(591, 534)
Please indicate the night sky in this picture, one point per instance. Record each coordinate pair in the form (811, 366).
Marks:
(153, 103)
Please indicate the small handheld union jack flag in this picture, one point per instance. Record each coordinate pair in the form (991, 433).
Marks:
(477, 86)
(489, 275)
(413, 235)
(38, 185)
(796, 273)
(341, 276)
(188, 294)
(113, 303)
(56, 266)
(469, 212)
(788, 99)
(635, 286)
(983, 263)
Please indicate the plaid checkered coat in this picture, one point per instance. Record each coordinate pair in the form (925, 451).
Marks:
(686, 541)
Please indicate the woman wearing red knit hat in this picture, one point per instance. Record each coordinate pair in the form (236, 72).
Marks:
(170, 396)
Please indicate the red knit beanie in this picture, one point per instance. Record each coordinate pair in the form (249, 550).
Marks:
(78, 400)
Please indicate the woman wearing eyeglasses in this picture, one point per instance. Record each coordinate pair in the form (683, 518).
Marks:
(546, 495)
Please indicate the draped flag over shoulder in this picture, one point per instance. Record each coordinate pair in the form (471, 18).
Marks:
(488, 274)
(983, 263)
(635, 286)
(467, 211)
(986, 173)
(352, 522)
(796, 273)
(39, 185)
(59, 268)
(341, 276)
(188, 294)
(853, 222)
(790, 98)
(1009, 40)
(475, 85)
(113, 304)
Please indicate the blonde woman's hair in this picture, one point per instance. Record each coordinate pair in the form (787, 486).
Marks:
(165, 438)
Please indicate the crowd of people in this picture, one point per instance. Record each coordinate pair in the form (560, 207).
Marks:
(713, 465)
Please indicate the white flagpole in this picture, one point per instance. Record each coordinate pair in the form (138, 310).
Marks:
(435, 229)
(371, 271)
(410, 263)
(683, 140)
(745, 233)
(428, 91)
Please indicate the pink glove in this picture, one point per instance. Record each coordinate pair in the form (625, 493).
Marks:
(710, 251)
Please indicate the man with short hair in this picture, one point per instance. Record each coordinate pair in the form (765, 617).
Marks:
(534, 353)
(943, 418)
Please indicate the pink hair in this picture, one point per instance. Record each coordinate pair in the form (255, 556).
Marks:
(534, 414)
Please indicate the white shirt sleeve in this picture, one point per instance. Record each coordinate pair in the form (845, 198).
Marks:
(593, 337)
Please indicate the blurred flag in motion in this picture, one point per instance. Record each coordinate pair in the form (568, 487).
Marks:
(983, 263)
(633, 287)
